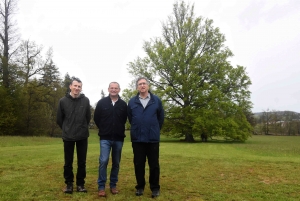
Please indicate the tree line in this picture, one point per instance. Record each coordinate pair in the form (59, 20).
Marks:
(30, 84)
(188, 67)
(272, 122)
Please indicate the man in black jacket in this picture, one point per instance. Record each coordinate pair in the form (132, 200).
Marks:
(110, 117)
(73, 117)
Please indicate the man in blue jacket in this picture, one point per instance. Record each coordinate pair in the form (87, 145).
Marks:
(73, 117)
(146, 116)
(110, 117)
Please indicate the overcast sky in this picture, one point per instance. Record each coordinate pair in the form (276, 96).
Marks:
(95, 40)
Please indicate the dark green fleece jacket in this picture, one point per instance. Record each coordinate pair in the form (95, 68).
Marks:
(73, 117)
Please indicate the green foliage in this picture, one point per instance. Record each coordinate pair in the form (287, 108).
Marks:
(8, 112)
(30, 86)
(126, 95)
(188, 67)
(30, 109)
(67, 82)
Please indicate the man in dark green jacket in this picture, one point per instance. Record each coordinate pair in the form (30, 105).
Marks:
(146, 116)
(73, 117)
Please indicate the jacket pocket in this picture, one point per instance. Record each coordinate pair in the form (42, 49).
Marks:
(134, 132)
(154, 133)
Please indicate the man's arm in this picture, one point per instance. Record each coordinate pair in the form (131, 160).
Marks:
(160, 114)
(59, 115)
(97, 115)
(88, 113)
(125, 113)
(129, 114)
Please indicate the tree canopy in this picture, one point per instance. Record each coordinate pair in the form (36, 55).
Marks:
(189, 68)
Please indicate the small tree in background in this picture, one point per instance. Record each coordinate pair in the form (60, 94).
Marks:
(102, 94)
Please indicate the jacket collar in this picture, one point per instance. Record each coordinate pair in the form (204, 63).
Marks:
(79, 97)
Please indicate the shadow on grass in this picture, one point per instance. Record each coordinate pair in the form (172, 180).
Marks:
(213, 141)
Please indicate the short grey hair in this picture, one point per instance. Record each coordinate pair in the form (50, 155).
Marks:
(141, 78)
(114, 83)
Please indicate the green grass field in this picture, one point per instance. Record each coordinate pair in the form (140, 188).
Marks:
(262, 168)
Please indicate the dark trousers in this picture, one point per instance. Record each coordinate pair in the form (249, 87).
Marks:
(141, 151)
(81, 149)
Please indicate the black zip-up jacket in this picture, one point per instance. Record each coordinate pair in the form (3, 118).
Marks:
(73, 117)
(111, 119)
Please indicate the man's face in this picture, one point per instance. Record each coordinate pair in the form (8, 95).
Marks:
(143, 86)
(75, 88)
(113, 89)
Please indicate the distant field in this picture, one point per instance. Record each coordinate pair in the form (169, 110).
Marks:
(262, 168)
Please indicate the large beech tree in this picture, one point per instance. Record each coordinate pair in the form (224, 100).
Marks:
(189, 68)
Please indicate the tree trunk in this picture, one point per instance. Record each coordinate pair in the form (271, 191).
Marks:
(5, 70)
(8, 36)
(189, 138)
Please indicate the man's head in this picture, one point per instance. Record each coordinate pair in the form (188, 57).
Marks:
(75, 87)
(114, 89)
(142, 85)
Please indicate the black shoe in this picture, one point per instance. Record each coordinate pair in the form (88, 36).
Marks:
(69, 188)
(139, 192)
(81, 189)
(155, 193)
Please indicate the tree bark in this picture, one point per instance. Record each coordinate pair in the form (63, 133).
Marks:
(189, 138)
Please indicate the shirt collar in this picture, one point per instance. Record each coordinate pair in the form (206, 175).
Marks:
(148, 96)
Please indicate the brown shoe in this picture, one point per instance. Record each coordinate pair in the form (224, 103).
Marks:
(101, 193)
(114, 191)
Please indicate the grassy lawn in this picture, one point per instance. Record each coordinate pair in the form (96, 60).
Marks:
(262, 168)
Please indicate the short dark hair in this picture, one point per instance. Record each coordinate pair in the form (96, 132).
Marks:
(141, 78)
(75, 79)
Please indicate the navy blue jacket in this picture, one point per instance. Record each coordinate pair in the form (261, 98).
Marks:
(73, 117)
(145, 122)
(111, 119)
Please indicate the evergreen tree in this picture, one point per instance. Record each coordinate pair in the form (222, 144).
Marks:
(67, 82)
(102, 94)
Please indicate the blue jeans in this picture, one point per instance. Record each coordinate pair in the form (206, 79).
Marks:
(105, 147)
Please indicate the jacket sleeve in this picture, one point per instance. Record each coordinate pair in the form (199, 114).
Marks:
(97, 115)
(129, 114)
(160, 114)
(88, 113)
(60, 115)
(125, 113)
